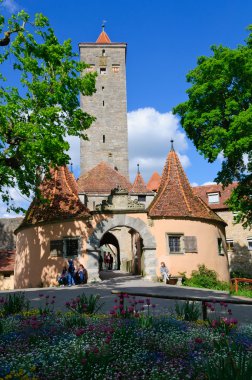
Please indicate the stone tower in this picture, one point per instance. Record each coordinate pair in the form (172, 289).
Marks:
(108, 135)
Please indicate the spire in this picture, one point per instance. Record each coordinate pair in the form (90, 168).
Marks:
(172, 148)
(154, 182)
(103, 37)
(59, 199)
(139, 184)
(175, 197)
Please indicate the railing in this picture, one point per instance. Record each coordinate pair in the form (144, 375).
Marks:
(203, 300)
(236, 280)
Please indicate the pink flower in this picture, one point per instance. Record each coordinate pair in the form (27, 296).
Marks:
(108, 339)
(112, 312)
(198, 340)
(234, 321)
(148, 301)
(79, 332)
(123, 312)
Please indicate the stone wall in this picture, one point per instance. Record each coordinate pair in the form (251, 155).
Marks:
(240, 258)
(6, 283)
(7, 228)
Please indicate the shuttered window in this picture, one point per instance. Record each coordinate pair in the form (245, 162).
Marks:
(190, 244)
(71, 246)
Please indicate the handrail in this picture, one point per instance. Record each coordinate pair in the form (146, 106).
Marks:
(203, 300)
(236, 280)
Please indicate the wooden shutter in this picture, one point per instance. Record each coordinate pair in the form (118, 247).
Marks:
(190, 243)
(56, 248)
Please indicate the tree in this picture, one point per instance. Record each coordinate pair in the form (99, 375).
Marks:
(217, 117)
(37, 114)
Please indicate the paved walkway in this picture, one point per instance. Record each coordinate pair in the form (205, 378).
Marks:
(118, 280)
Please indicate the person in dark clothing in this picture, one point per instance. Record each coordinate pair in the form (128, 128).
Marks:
(63, 279)
(100, 259)
(71, 272)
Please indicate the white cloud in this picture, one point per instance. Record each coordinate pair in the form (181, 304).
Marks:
(194, 184)
(10, 5)
(150, 133)
(208, 183)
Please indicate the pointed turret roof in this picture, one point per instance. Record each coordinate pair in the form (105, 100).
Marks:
(175, 197)
(103, 37)
(59, 199)
(102, 179)
(139, 185)
(154, 182)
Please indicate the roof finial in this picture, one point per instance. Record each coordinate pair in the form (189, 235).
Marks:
(71, 165)
(103, 25)
(172, 148)
(138, 171)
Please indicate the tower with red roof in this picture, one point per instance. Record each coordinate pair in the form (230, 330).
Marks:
(108, 135)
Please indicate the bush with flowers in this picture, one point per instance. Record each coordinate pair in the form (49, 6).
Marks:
(132, 342)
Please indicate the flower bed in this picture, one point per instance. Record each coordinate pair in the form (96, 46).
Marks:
(130, 343)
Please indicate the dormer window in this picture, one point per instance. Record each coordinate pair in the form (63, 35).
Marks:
(213, 198)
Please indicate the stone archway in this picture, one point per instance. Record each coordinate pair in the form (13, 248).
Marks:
(149, 243)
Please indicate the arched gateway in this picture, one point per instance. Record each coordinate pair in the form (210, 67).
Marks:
(149, 243)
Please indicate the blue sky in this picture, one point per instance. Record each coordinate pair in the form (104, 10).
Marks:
(164, 39)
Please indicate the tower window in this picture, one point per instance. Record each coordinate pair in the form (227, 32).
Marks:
(115, 68)
(103, 138)
(102, 88)
(103, 52)
(103, 103)
(103, 70)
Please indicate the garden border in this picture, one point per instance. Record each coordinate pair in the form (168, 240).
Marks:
(203, 300)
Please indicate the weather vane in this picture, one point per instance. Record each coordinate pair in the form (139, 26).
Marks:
(138, 171)
(103, 24)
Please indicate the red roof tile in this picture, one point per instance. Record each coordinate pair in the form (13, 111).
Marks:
(139, 186)
(102, 179)
(175, 197)
(7, 260)
(154, 182)
(103, 38)
(60, 191)
(224, 194)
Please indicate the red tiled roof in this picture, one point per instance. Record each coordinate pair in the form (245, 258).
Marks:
(154, 182)
(224, 194)
(175, 197)
(139, 186)
(62, 201)
(103, 38)
(102, 179)
(7, 260)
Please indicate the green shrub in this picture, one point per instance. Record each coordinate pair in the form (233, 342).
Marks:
(188, 311)
(14, 303)
(240, 274)
(205, 278)
(84, 304)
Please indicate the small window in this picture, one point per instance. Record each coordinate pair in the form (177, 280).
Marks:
(103, 70)
(220, 247)
(103, 103)
(175, 243)
(56, 248)
(190, 243)
(230, 244)
(102, 88)
(249, 243)
(103, 52)
(116, 69)
(213, 198)
(103, 138)
(141, 198)
(90, 69)
(71, 246)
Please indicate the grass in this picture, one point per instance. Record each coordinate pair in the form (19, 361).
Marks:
(131, 342)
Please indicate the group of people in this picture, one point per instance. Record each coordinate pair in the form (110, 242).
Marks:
(108, 261)
(72, 276)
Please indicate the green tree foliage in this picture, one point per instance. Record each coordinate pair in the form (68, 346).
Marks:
(39, 102)
(217, 117)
